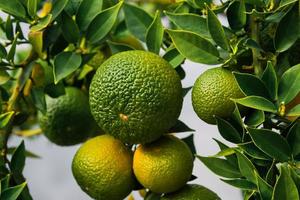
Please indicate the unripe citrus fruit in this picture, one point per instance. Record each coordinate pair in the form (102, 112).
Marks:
(68, 120)
(212, 94)
(102, 168)
(192, 192)
(163, 166)
(136, 96)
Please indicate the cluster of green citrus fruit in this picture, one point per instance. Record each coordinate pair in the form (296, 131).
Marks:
(135, 97)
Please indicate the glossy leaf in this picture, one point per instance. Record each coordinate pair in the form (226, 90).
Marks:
(269, 78)
(289, 84)
(118, 47)
(38, 97)
(13, 193)
(32, 7)
(265, 190)
(5, 118)
(64, 64)
(4, 77)
(69, 28)
(43, 23)
(9, 29)
(18, 159)
(285, 188)
(232, 159)
(241, 183)
(174, 57)
(87, 11)
(271, 143)
(103, 23)
(58, 7)
(220, 167)
(253, 151)
(13, 7)
(257, 102)
(190, 22)
(286, 37)
(236, 14)
(190, 142)
(251, 85)
(246, 167)
(216, 30)
(155, 33)
(12, 51)
(227, 131)
(180, 127)
(137, 21)
(73, 5)
(255, 118)
(294, 112)
(293, 138)
(194, 47)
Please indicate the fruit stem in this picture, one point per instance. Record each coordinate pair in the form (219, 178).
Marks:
(256, 53)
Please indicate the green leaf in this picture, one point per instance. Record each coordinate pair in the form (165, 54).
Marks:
(73, 5)
(232, 159)
(236, 14)
(257, 102)
(295, 176)
(64, 64)
(137, 21)
(194, 47)
(118, 47)
(12, 50)
(152, 196)
(227, 131)
(87, 11)
(4, 77)
(155, 33)
(284, 3)
(13, 7)
(190, 22)
(5, 182)
(241, 183)
(9, 30)
(58, 7)
(43, 23)
(3, 52)
(174, 57)
(250, 149)
(246, 167)
(180, 127)
(293, 138)
(251, 85)
(269, 78)
(103, 23)
(69, 28)
(221, 167)
(265, 190)
(255, 118)
(186, 90)
(190, 142)
(285, 188)
(286, 37)
(32, 7)
(28, 154)
(5, 118)
(289, 84)
(13, 193)
(18, 159)
(38, 97)
(271, 143)
(216, 30)
(294, 112)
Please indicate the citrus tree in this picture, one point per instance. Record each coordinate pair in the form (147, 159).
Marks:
(108, 73)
